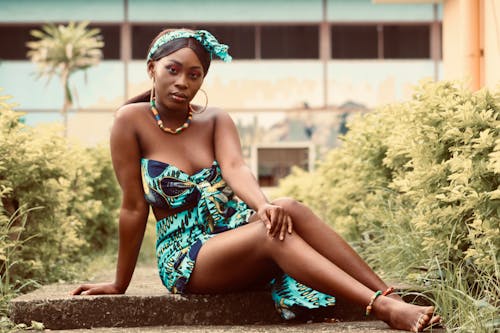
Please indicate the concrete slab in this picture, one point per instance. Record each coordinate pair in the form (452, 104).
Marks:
(148, 303)
(339, 327)
(354, 327)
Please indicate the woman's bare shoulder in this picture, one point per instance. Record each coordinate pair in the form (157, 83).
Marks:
(211, 115)
(129, 111)
(216, 113)
(222, 116)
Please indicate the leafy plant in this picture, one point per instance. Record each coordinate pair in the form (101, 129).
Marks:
(10, 243)
(75, 187)
(62, 50)
(418, 183)
(8, 326)
(467, 307)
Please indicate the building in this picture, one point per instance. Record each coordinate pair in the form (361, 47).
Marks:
(471, 39)
(299, 65)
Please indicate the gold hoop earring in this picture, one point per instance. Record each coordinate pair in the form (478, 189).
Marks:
(152, 95)
(206, 102)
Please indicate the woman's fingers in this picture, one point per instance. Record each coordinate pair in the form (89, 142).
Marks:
(93, 291)
(274, 215)
(284, 226)
(282, 223)
(287, 226)
(79, 290)
(290, 224)
(274, 222)
(263, 216)
(277, 221)
(96, 289)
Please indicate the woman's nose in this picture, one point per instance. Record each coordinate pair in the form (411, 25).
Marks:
(181, 81)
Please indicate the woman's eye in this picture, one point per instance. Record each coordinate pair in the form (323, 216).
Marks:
(172, 70)
(195, 75)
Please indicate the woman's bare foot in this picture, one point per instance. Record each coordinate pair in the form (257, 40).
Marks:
(404, 316)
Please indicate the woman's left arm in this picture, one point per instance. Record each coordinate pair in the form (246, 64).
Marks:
(240, 178)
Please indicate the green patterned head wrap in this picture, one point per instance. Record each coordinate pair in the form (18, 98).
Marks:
(206, 39)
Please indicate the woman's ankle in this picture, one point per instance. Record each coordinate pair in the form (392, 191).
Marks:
(396, 297)
(383, 306)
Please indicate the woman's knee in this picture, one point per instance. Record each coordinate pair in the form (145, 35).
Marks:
(289, 204)
(265, 243)
(301, 214)
(260, 233)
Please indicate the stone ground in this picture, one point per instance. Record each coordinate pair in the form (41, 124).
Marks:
(352, 327)
(146, 285)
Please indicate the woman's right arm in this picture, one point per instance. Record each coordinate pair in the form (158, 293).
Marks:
(126, 156)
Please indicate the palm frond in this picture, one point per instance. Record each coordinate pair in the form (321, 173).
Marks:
(74, 45)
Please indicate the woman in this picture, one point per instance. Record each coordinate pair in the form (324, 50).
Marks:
(186, 162)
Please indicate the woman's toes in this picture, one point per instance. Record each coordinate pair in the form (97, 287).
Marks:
(435, 320)
(420, 324)
(426, 320)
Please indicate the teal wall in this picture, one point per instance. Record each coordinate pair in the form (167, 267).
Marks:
(211, 11)
(60, 10)
(365, 10)
(373, 82)
(101, 86)
(226, 10)
(239, 85)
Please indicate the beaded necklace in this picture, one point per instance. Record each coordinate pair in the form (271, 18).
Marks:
(178, 130)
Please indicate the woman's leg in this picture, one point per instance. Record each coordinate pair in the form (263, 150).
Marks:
(238, 258)
(328, 243)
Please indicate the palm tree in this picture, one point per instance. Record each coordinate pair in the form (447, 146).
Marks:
(63, 50)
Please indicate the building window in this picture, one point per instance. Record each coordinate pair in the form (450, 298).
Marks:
(240, 39)
(142, 35)
(354, 42)
(407, 41)
(111, 37)
(13, 40)
(393, 41)
(290, 42)
(277, 42)
(275, 162)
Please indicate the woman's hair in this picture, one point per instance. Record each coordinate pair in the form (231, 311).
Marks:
(171, 47)
(179, 43)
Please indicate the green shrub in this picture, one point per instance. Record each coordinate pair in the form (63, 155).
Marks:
(10, 242)
(97, 202)
(74, 187)
(416, 184)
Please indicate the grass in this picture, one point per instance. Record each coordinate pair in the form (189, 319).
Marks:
(147, 256)
(468, 300)
(104, 264)
(10, 241)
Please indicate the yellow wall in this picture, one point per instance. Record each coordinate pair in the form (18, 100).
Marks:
(471, 41)
(491, 43)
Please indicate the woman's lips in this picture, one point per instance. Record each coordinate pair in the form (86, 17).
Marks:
(179, 98)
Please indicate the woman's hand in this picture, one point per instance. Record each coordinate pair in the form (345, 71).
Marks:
(97, 289)
(276, 220)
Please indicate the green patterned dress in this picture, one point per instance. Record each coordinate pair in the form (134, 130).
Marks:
(205, 206)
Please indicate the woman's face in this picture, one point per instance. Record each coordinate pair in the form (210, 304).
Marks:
(178, 76)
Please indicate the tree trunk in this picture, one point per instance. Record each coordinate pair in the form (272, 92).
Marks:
(67, 100)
